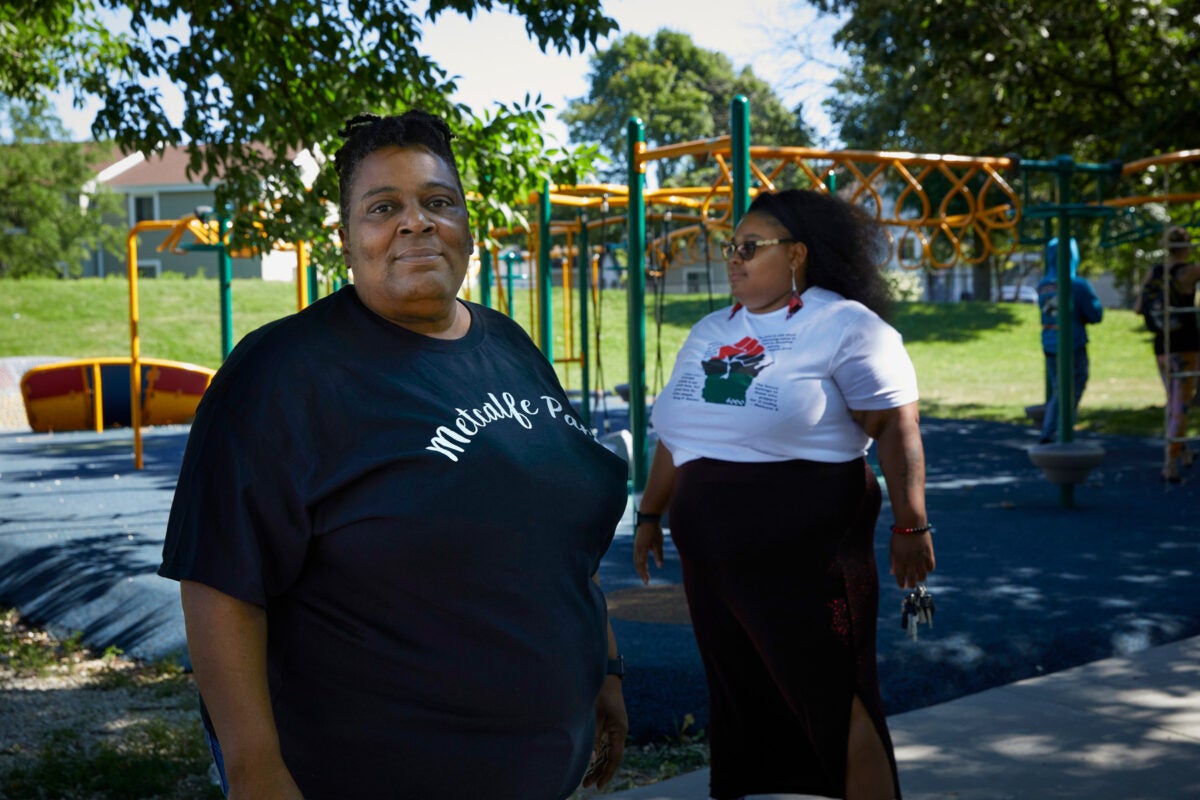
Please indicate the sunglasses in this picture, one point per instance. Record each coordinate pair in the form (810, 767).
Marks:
(746, 250)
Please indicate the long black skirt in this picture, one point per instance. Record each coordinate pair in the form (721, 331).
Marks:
(779, 568)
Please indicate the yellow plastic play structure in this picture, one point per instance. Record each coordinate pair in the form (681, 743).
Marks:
(93, 393)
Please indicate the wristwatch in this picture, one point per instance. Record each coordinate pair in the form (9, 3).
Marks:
(616, 666)
(641, 517)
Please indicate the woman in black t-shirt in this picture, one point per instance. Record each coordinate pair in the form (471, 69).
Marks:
(388, 522)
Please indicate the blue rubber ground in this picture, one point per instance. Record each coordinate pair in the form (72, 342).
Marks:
(1024, 585)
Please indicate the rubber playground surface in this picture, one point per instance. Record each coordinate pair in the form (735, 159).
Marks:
(1024, 586)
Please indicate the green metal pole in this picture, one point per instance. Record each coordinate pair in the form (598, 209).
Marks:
(314, 289)
(635, 144)
(1049, 388)
(485, 253)
(1066, 314)
(225, 267)
(585, 292)
(485, 275)
(509, 258)
(739, 121)
(544, 282)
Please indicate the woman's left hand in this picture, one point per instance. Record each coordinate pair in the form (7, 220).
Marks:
(612, 726)
(897, 434)
(911, 558)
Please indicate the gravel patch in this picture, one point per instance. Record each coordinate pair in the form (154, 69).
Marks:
(12, 405)
(99, 698)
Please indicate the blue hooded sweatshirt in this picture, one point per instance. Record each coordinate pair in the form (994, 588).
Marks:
(1084, 302)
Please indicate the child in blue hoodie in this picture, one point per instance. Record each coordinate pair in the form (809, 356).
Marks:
(1086, 310)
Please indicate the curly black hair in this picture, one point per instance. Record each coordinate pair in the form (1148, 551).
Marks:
(846, 246)
(366, 133)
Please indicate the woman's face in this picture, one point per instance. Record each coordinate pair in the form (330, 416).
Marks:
(407, 241)
(763, 282)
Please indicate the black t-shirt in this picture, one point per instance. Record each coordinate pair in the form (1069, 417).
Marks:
(1185, 326)
(421, 519)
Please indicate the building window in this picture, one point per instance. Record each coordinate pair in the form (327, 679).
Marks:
(143, 208)
(149, 269)
(694, 281)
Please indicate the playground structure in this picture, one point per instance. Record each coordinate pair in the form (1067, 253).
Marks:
(97, 393)
(938, 211)
(93, 393)
(206, 234)
(72, 395)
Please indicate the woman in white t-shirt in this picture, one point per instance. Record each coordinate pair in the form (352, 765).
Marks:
(763, 430)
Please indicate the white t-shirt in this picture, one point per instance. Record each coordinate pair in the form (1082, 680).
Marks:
(761, 387)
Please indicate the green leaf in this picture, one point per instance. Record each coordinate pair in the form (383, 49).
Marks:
(278, 76)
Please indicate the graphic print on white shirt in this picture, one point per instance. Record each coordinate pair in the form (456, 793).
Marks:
(729, 372)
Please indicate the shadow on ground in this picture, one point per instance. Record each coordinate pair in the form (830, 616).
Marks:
(1025, 585)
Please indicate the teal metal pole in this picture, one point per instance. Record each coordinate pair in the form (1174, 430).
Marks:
(314, 288)
(636, 144)
(1066, 314)
(509, 258)
(544, 283)
(1046, 377)
(739, 121)
(585, 293)
(225, 267)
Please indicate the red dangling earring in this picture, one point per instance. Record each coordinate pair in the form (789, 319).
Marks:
(794, 302)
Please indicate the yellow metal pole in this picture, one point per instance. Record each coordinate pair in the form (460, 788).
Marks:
(301, 276)
(135, 342)
(135, 347)
(97, 399)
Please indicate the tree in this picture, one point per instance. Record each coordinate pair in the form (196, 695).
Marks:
(52, 215)
(264, 79)
(47, 43)
(681, 93)
(1098, 80)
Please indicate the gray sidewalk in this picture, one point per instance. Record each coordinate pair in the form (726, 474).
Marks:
(1123, 728)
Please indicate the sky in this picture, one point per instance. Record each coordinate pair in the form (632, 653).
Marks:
(495, 60)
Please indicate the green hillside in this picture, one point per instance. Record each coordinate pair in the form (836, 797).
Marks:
(974, 360)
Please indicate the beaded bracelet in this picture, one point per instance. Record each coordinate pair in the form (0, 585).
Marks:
(926, 528)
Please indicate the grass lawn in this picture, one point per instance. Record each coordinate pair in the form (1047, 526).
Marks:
(984, 361)
(974, 360)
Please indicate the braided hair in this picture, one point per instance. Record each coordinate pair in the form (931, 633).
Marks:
(366, 133)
